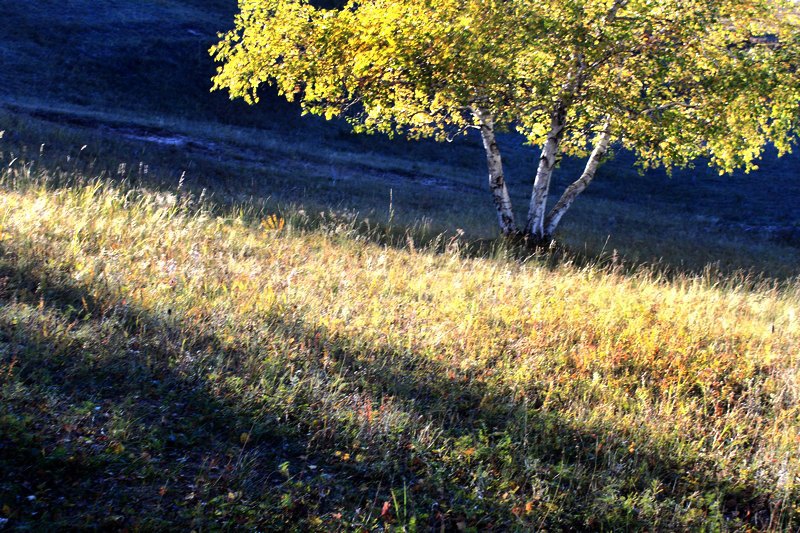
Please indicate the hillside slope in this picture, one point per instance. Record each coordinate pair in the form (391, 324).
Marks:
(165, 363)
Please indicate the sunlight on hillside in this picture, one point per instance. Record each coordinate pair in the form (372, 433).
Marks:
(535, 395)
(224, 317)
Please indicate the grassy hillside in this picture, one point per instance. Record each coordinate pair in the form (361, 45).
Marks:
(221, 317)
(164, 361)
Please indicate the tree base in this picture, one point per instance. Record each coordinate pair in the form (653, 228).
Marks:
(520, 239)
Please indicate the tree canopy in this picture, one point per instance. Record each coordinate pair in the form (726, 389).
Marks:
(669, 81)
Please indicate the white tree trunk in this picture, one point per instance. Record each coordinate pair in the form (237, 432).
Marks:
(497, 182)
(579, 185)
(535, 226)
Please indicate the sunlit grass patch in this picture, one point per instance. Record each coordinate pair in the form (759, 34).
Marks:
(262, 369)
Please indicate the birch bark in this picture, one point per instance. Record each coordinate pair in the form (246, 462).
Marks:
(579, 185)
(544, 172)
(497, 182)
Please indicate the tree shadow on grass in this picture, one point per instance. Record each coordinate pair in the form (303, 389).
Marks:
(111, 417)
(575, 477)
(101, 427)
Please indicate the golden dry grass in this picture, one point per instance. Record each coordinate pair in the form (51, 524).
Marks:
(512, 394)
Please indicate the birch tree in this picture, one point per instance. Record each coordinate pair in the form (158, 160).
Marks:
(671, 81)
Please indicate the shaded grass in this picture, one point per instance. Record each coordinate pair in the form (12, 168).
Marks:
(483, 393)
(101, 430)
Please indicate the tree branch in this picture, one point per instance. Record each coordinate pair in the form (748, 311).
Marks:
(579, 185)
